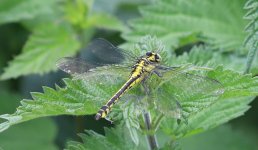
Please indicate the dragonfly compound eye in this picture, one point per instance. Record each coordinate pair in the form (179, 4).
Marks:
(148, 53)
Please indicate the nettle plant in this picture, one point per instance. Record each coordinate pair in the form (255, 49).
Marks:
(137, 115)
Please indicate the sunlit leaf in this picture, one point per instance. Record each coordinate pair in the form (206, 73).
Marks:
(105, 21)
(252, 29)
(79, 97)
(17, 10)
(239, 92)
(115, 139)
(182, 93)
(174, 20)
(45, 46)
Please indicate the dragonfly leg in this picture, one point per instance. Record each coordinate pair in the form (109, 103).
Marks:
(109, 120)
(159, 67)
(145, 86)
(157, 73)
(165, 67)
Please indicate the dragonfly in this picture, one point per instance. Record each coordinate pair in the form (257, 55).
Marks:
(142, 68)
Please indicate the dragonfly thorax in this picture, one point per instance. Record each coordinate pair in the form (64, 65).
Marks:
(153, 57)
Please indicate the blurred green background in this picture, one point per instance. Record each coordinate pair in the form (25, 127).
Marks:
(18, 22)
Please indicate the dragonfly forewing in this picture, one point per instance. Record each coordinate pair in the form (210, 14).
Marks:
(104, 53)
(108, 53)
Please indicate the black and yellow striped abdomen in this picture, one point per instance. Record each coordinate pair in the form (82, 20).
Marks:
(105, 109)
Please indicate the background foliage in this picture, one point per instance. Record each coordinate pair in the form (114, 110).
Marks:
(35, 34)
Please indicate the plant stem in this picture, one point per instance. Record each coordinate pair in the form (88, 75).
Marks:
(153, 144)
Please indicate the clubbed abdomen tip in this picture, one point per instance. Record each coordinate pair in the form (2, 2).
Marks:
(98, 116)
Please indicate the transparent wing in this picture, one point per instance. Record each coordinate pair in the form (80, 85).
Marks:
(103, 53)
(113, 71)
(195, 86)
(104, 50)
(74, 65)
(183, 93)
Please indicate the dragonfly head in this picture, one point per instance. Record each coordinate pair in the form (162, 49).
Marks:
(153, 57)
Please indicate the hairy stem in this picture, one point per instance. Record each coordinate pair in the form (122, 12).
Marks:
(153, 144)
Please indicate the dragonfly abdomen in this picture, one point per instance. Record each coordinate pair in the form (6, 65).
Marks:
(104, 110)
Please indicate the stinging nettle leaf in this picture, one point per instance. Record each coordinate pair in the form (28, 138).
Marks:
(79, 97)
(173, 20)
(45, 46)
(239, 92)
(181, 93)
(18, 10)
(116, 139)
(104, 21)
(252, 29)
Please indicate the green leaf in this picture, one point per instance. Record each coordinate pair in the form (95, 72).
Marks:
(76, 12)
(43, 131)
(79, 13)
(116, 139)
(181, 94)
(105, 21)
(38, 134)
(239, 92)
(79, 97)
(252, 29)
(172, 21)
(229, 139)
(45, 46)
(131, 122)
(207, 56)
(173, 145)
(17, 10)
